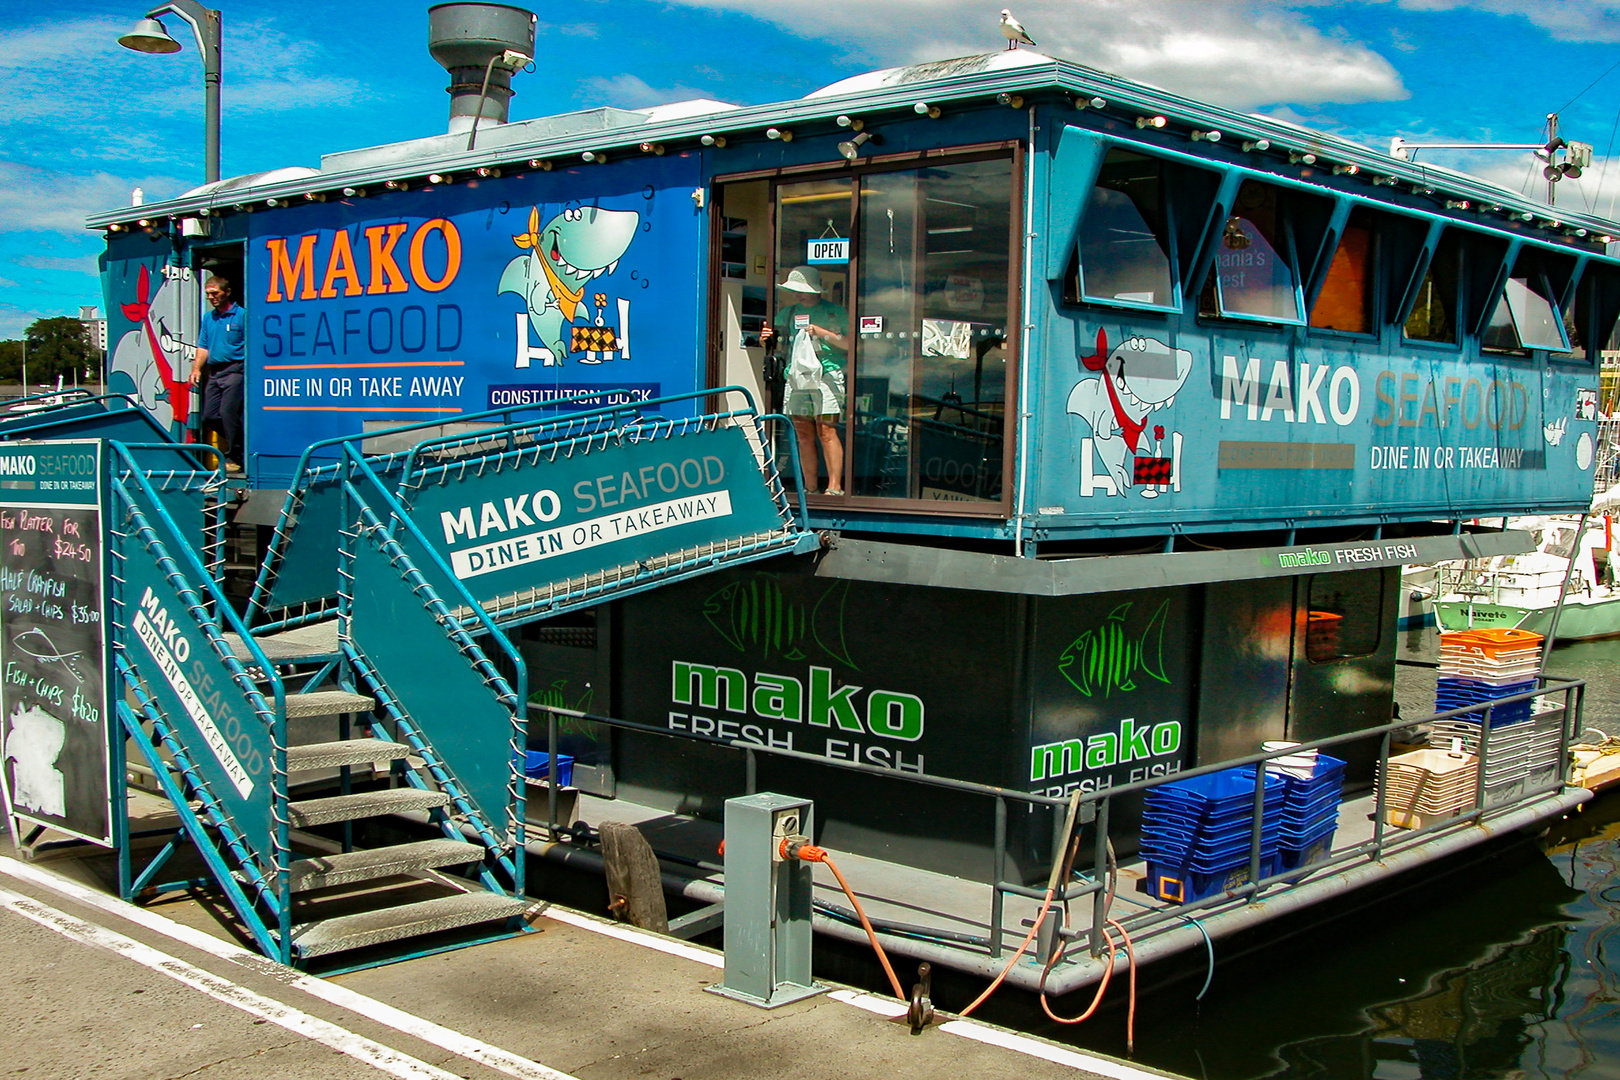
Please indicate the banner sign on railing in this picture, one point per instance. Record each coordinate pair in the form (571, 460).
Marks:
(53, 704)
(230, 743)
(599, 508)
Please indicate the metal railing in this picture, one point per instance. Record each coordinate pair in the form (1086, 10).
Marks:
(1097, 809)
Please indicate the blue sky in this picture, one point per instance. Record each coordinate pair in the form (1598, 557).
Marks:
(83, 121)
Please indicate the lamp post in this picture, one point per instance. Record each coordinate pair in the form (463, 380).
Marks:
(150, 36)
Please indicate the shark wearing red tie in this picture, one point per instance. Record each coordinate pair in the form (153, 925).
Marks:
(151, 354)
(1139, 376)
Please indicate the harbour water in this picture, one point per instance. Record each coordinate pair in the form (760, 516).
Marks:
(1508, 967)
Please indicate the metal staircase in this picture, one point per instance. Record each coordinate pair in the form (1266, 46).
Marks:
(251, 822)
(373, 683)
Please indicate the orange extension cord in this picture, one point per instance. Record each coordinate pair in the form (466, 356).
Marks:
(811, 853)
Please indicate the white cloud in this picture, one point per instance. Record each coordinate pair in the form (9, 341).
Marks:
(630, 92)
(40, 200)
(76, 264)
(1564, 20)
(1237, 53)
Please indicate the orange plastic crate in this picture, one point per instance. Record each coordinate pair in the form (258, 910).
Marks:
(1493, 642)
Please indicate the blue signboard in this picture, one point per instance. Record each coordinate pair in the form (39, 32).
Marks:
(599, 507)
(1217, 427)
(448, 300)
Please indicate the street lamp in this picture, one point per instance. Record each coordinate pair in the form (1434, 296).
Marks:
(150, 36)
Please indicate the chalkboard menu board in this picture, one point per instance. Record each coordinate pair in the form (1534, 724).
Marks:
(54, 748)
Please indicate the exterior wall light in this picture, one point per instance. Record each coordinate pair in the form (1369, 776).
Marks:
(714, 140)
(1297, 158)
(1457, 204)
(1091, 103)
(851, 149)
(489, 172)
(1205, 136)
(1346, 170)
(1151, 121)
(1251, 145)
(854, 123)
(922, 108)
(314, 196)
(267, 202)
(354, 192)
(1012, 101)
(398, 185)
(594, 156)
(439, 178)
(653, 148)
(536, 163)
(784, 134)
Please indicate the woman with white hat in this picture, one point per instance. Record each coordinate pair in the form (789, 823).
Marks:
(816, 331)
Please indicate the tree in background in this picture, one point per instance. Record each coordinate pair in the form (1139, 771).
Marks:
(56, 346)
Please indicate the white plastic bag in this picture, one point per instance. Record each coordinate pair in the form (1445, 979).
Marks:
(804, 367)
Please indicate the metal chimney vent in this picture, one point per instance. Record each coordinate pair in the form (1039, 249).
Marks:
(469, 41)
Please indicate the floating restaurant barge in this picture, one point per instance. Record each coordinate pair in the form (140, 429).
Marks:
(1146, 403)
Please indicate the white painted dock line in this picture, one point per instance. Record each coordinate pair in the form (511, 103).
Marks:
(418, 1027)
(383, 1058)
(494, 1057)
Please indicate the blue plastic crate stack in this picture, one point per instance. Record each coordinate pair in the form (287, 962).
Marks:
(1313, 788)
(1196, 834)
(1485, 665)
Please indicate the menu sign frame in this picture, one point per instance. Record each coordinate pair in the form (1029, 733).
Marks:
(56, 752)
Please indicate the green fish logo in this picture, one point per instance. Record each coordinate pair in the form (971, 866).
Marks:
(757, 615)
(1109, 657)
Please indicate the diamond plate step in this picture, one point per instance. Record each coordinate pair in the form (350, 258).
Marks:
(368, 865)
(408, 920)
(327, 703)
(328, 755)
(311, 642)
(362, 804)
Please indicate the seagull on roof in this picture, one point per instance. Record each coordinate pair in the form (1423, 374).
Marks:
(1013, 31)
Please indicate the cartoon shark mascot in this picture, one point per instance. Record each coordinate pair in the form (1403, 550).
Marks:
(1138, 377)
(563, 255)
(150, 362)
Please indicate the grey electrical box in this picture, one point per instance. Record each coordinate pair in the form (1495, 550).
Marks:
(767, 929)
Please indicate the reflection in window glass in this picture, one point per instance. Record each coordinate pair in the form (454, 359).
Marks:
(1254, 272)
(1524, 318)
(1345, 616)
(931, 302)
(1345, 302)
(1434, 312)
(1122, 253)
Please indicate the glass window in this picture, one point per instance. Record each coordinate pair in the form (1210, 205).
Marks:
(1526, 315)
(1345, 615)
(931, 354)
(1124, 257)
(1254, 275)
(1524, 319)
(889, 330)
(1434, 310)
(1345, 302)
(810, 321)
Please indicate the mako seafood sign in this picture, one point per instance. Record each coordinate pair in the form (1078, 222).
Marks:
(632, 503)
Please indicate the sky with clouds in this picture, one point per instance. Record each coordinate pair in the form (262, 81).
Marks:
(83, 121)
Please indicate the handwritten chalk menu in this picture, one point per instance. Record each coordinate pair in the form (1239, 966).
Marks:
(54, 747)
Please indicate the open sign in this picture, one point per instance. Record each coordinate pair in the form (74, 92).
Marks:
(831, 251)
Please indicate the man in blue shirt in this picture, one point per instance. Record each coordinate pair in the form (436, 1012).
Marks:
(220, 367)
